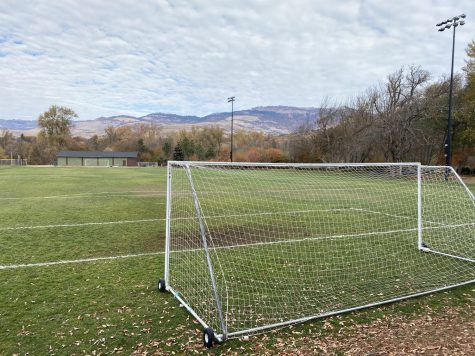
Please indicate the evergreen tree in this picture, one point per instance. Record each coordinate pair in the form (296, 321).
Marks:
(178, 154)
(141, 147)
(167, 147)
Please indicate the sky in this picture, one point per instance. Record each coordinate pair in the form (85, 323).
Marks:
(104, 58)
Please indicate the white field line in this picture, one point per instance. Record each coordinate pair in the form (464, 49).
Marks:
(89, 196)
(93, 259)
(162, 219)
(331, 237)
(82, 260)
(394, 215)
(95, 195)
(192, 218)
(121, 192)
(48, 175)
(269, 213)
(303, 190)
(76, 225)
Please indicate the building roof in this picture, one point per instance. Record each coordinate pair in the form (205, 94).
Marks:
(97, 154)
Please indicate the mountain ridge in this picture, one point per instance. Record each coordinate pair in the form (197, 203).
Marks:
(269, 119)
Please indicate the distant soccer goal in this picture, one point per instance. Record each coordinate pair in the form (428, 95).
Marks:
(251, 247)
(13, 162)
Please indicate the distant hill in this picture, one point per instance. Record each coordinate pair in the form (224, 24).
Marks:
(13, 124)
(268, 119)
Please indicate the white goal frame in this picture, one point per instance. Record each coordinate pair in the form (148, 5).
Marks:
(224, 333)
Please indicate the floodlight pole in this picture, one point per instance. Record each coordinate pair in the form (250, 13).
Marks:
(448, 143)
(231, 100)
(453, 22)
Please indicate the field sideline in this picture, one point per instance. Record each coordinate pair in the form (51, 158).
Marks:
(81, 253)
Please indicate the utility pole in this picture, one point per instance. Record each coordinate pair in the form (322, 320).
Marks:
(231, 100)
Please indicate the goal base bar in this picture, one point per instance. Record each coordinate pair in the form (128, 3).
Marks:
(428, 250)
(325, 315)
(219, 337)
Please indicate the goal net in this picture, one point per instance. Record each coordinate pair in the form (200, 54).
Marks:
(257, 246)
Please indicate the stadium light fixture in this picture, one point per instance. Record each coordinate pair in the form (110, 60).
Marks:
(454, 22)
(231, 100)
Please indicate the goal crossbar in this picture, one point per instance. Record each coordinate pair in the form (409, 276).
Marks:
(290, 165)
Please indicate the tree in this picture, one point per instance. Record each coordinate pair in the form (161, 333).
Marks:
(210, 153)
(397, 105)
(167, 147)
(111, 134)
(432, 128)
(253, 154)
(94, 142)
(178, 154)
(56, 125)
(6, 138)
(200, 152)
(274, 155)
(141, 148)
(41, 152)
(188, 146)
(302, 145)
(464, 116)
(401, 120)
(470, 66)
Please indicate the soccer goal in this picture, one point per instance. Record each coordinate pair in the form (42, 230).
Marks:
(251, 247)
(13, 162)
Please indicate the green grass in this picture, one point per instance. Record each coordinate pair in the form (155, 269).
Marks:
(113, 304)
(35, 198)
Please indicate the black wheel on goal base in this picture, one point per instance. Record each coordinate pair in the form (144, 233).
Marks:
(208, 337)
(162, 287)
(424, 245)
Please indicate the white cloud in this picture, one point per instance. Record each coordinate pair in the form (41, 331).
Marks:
(187, 57)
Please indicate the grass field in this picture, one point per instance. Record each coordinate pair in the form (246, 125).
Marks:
(71, 285)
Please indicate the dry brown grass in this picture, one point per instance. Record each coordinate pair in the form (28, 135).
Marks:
(450, 332)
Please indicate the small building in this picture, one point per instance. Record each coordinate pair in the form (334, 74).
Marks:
(97, 158)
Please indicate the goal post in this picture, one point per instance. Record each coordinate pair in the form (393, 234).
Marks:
(254, 246)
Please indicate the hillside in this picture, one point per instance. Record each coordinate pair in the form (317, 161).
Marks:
(269, 119)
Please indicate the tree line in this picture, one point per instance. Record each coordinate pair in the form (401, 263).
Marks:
(404, 118)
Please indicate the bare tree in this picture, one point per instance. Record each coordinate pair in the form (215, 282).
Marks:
(398, 107)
